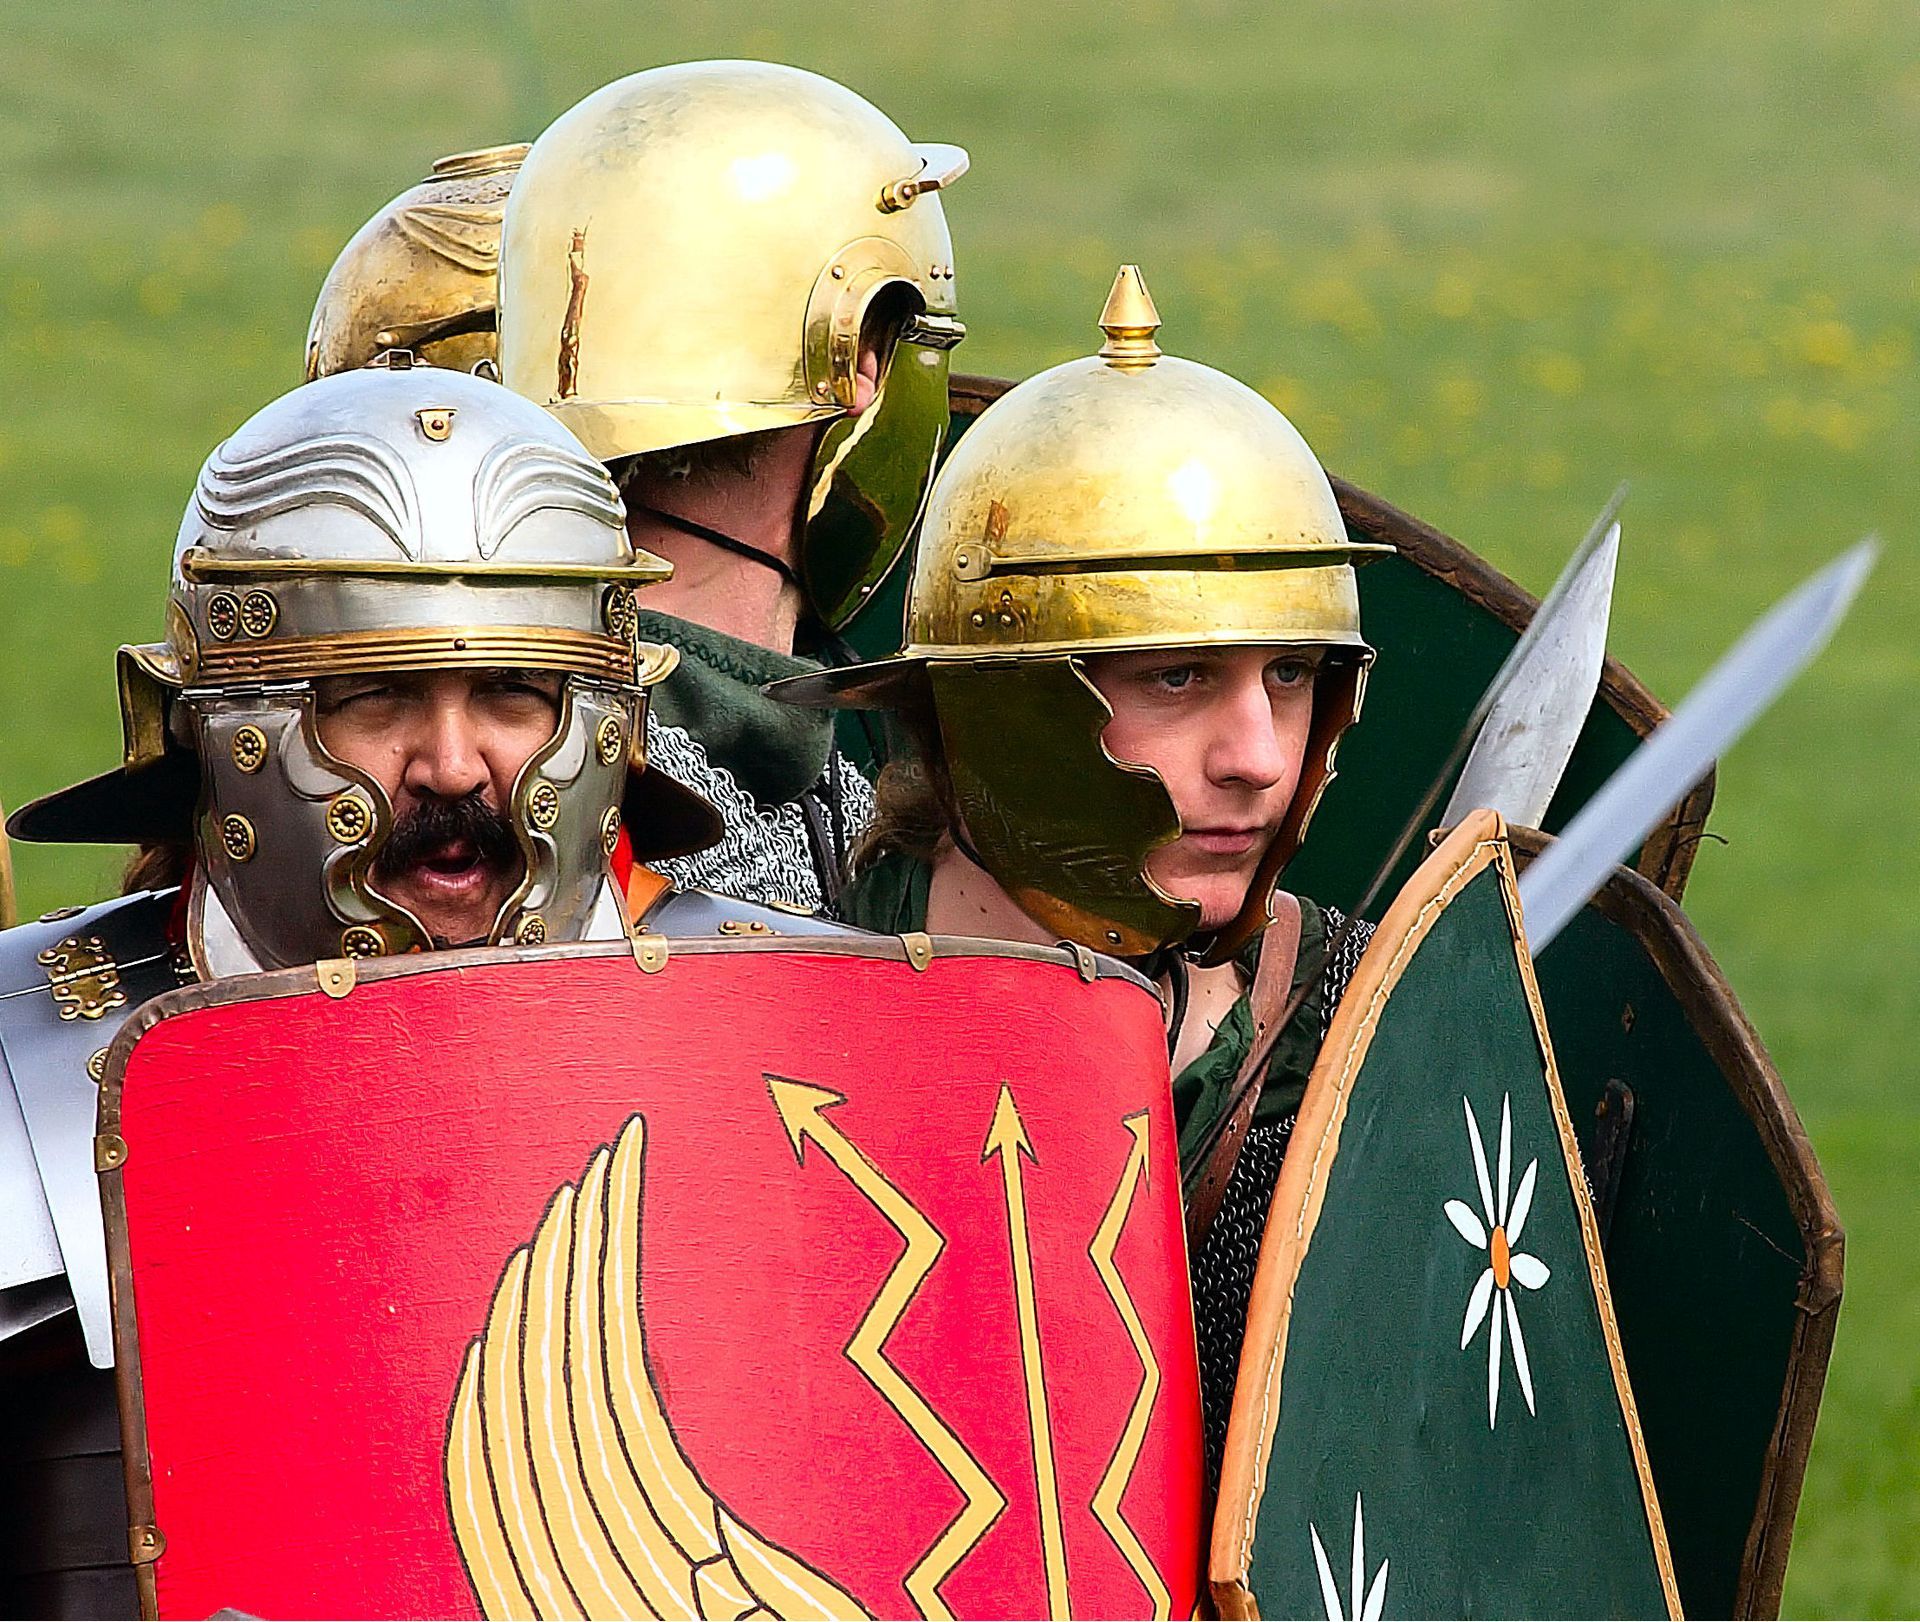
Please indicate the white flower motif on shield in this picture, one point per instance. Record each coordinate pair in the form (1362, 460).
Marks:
(1493, 1297)
(1365, 1608)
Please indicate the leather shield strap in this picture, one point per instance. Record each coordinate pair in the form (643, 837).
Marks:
(1272, 983)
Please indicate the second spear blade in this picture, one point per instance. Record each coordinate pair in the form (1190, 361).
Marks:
(1721, 707)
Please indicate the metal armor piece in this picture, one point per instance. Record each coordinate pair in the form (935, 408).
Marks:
(1125, 501)
(386, 520)
(420, 275)
(692, 253)
(52, 1054)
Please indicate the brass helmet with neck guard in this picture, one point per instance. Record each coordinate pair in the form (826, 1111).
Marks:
(1126, 501)
(693, 252)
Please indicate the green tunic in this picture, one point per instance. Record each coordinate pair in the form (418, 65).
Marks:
(891, 898)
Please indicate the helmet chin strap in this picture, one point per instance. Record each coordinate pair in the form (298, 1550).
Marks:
(720, 538)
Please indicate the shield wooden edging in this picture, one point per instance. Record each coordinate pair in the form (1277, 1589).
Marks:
(1477, 844)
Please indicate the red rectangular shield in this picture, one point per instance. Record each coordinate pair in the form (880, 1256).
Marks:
(788, 1277)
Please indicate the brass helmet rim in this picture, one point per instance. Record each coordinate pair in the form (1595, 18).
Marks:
(882, 684)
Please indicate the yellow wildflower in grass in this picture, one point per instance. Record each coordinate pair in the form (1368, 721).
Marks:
(1556, 371)
(161, 295)
(1333, 301)
(1546, 470)
(223, 225)
(1460, 396)
(1837, 425)
(1827, 343)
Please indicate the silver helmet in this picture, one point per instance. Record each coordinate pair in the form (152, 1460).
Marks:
(385, 520)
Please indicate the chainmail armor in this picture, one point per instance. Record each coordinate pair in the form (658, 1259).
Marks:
(1223, 1270)
(765, 854)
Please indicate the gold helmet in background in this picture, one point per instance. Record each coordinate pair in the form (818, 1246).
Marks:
(693, 252)
(420, 275)
(1126, 501)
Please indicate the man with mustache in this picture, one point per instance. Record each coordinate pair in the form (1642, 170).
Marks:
(1133, 647)
(400, 706)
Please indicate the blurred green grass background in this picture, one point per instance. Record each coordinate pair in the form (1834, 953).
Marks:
(1491, 255)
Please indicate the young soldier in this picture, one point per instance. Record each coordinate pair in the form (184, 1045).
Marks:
(400, 705)
(734, 282)
(1133, 646)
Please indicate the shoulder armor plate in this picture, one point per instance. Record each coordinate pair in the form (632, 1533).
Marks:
(684, 914)
(67, 985)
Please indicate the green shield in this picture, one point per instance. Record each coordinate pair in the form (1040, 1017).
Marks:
(1433, 1416)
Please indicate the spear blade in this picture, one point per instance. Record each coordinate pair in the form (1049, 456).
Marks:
(1530, 732)
(1725, 702)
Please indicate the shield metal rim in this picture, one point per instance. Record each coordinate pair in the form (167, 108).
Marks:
(1478, 842)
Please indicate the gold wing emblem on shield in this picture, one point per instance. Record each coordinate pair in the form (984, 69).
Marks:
(569, 1494)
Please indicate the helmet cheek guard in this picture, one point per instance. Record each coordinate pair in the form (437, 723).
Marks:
(565, 813)
(275, 811)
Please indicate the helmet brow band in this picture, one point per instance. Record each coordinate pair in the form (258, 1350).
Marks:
(358, 652)
(1318, 557)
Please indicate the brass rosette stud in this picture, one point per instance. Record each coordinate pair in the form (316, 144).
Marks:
(607, 739)
(532, 930)
(543, 806)
(362, 940)
(259, 613)
(610, 831)
(249, 749)
(223, 616)
(348, 818)
(237, 837)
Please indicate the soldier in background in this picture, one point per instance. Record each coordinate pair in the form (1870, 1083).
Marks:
(734, 282)
(401, 705)
(1133, 646)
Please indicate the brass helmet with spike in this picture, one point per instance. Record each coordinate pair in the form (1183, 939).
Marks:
(1125, 501)
(420, 275)
(693, 253)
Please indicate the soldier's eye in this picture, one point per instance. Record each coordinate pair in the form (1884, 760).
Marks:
(1174, 678)
(1289, 672)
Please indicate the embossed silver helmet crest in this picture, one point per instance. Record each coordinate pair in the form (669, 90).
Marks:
(385, 520)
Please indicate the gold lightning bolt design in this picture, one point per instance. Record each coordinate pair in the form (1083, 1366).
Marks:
(802, 1110)
(1007, 1138)
(1119, 1471)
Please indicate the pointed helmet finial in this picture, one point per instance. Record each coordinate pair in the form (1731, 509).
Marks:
(1129, 321)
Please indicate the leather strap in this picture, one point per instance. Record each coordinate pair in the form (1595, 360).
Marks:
(1272, 984)
(721, 539)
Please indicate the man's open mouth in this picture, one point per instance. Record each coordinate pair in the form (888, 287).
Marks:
(450, 848)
